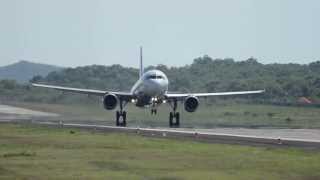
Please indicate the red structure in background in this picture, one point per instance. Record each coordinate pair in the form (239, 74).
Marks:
(304, 100)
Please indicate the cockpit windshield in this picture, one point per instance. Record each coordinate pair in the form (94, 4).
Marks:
(155, 77)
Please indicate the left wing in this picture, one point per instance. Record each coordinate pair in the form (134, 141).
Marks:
(183, 95)
(125, 95)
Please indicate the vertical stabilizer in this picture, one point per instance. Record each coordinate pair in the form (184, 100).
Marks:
(141, 64)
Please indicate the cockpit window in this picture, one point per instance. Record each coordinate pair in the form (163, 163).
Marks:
(155, 77)
(152, 77)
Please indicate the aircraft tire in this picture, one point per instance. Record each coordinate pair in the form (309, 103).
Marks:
(171, 119)
(177, 119)
(124, 118)
(117, 118)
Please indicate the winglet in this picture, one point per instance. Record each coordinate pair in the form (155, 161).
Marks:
(141, 63)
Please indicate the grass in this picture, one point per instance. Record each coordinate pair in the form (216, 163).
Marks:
(229, 115)
(31, 152)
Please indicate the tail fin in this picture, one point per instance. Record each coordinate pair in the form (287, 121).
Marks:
(141, 63)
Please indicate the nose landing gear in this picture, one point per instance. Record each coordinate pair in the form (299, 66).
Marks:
(154, 111)
(154, 102)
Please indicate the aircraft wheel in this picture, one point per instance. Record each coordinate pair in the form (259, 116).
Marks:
(171, 119)
(154, 111)
(117, 118)
(124, 118)
(177, 119)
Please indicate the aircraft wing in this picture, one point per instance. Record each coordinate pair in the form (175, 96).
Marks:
(183, 95)
(126, 95)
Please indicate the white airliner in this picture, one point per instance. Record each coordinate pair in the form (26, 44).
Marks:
(150, 90)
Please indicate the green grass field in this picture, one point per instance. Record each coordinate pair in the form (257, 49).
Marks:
(228, 115)
(32, 152)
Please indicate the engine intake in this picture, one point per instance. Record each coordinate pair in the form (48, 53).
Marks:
(110, 101)
(191, 104)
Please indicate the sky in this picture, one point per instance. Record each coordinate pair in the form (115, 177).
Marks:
(172, 32)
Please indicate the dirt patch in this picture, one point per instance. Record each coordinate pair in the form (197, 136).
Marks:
(5, 109)
(19, 154)
(110, 165)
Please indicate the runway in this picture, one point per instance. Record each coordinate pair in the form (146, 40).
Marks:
(305, 138)
(208, 135)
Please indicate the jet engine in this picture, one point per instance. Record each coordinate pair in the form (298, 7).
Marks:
(191, 103)
(110, 101)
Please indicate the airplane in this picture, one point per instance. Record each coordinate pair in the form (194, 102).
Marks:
(150, 90)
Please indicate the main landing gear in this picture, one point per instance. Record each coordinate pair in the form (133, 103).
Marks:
(174, 117)
(121, 116)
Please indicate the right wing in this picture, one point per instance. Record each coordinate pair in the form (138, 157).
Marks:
(125, 95)
(184, 95)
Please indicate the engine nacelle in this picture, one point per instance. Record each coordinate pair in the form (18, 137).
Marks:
(110, 101)
(191, 104)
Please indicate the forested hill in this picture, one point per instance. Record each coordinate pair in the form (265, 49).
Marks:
(283, 82)
(23, 71)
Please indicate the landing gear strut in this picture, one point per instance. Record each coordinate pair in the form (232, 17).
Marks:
(174, 117)
(121, 116)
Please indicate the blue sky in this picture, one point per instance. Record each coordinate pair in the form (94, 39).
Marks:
(172, 32)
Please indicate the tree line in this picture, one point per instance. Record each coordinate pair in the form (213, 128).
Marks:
(284, 83)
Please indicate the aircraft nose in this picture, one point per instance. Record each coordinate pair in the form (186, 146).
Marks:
(155, 83)
(155, 86)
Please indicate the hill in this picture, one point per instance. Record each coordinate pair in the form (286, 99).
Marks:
(23, 71)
